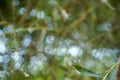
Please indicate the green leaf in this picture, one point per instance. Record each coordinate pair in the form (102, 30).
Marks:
(85, 71)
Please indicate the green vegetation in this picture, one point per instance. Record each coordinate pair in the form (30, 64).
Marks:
(59, 39)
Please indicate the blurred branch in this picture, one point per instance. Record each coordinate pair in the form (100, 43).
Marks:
(41, 39)
(103, 34)
(3, 22)
(26, 13)
(108, 4)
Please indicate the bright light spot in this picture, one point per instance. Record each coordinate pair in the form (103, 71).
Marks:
(36, 64)
(15, 56)
(27, 40)
(63, 50)
(97, 54)
(22, 52)
(22, 11)
(4, 39)
(40, 14)
(75, 51)
(17, 65)
(50, 39)
(3, 74)
(102, 52)
(50, 26)
(2, 47)
(8, 28)
(50, 50)
(33, 12)
(6, 58)
(17, 60)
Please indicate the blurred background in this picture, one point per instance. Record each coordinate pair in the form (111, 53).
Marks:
(42, 39)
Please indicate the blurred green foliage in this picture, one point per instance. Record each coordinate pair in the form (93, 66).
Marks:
(60, 33)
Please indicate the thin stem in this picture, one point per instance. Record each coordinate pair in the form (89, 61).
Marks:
(104, 78)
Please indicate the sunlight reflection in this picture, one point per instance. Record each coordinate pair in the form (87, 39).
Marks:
(75, 51)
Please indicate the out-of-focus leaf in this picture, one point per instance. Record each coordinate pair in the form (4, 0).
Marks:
(111, 75)
(85, 71)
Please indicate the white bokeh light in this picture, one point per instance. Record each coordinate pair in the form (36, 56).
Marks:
(50, 39)
(3, 73)
(1, 32)
(97, 54)
(2, 47)
(33, 12)
(15, 56)
(36, 64)
(75, 51)
(26, 41)
(1, 58)
(17, 65)
(8, 28)
(22, 10)
(6, 58)
(40, 14)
